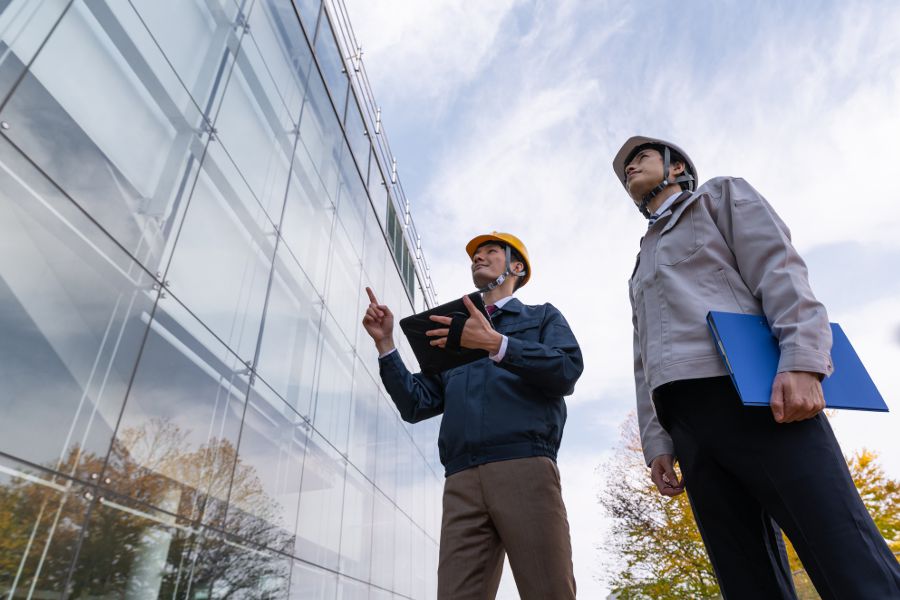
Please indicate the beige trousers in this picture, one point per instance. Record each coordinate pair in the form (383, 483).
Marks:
(511, 506)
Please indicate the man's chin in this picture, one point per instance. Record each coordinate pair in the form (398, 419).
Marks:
(481, 280)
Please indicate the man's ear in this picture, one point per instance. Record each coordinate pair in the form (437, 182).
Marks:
(677, 168)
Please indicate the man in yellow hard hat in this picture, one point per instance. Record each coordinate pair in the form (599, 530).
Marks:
(503, 419)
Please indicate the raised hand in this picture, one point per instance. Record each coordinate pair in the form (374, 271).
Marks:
(379, 323)
(477, 332)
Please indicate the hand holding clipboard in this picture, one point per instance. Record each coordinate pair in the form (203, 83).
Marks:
(450, 335)
(472, 332)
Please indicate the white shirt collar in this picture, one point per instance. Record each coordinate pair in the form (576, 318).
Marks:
(663, 208)
(499, 303)
(665, 205)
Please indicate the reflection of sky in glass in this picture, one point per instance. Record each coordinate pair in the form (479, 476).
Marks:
(159, 150)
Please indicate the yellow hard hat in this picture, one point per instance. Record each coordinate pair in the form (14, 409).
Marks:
(504, 239)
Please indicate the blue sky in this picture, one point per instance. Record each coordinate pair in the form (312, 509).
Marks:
(506, 114)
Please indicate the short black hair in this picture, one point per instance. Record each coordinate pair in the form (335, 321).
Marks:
(514, 256)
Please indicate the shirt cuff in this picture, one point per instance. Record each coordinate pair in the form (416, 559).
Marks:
(388, 353)
(501, 352)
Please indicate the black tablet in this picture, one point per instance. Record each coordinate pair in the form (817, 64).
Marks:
(433, 360)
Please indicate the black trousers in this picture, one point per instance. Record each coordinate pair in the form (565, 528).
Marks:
(747, 475)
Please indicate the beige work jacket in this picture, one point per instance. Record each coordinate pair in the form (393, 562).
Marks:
(719, 248)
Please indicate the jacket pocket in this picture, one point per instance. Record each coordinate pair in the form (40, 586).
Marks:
(678, 243)
(526, 329)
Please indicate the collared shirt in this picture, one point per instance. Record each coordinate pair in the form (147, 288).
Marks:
(503, 344)
(663, 208)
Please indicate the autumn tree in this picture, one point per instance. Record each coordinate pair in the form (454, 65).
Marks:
(657, 549)
(656, 544)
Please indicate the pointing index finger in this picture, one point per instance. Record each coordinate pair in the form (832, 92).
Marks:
(372, 297)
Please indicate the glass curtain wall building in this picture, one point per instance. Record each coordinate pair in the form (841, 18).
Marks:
(193, 194)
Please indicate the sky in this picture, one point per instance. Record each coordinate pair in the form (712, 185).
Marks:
(505, 115)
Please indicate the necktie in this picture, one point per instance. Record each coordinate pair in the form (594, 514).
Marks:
(491, 309)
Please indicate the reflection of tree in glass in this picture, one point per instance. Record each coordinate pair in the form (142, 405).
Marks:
(149, 464)
(32, 515)
(136, 552)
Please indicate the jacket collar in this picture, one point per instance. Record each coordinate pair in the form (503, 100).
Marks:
(513, 306)
(677, 209)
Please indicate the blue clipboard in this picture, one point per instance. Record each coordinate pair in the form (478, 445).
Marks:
(750, 352)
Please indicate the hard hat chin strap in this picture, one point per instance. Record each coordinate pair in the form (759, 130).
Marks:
(506, 273)
(649, 196)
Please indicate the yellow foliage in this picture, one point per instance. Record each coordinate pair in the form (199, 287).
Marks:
(658, 552)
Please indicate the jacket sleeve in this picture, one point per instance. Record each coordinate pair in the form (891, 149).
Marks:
(654, 439)
(417, 397)
(777, 276)
(554, 363)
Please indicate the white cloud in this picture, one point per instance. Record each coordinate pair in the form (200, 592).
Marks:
(803, 106)
(426, 49)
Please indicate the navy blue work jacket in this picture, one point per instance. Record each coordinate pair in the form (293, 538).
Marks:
(497, 411)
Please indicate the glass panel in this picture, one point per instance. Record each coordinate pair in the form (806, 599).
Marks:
(40, 521)
(383, 542)
(332, 417)
(176, 443)
(73, 311)
(364, 422)
(344, 292)
(352, 201)
(373, 277)
(321, 134)
(356, 526)
(321, 497)
(332, 64)
(131, 551)
(257, 130)
(290, 334)
(130, 177)
(377, 188)
(349, 589)
(282, 51)
(419, 488)
(357, 134)
(198, 39)
(265, 488)
(223, 257)
(406, 453)
(311, 583)
(308, 216)
(309, 13)
(386, 455)
(419, 566)
(431, 559)
(24, 25)
(402, 557)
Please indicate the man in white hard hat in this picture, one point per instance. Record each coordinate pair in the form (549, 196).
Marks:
(503, 419)
(748, 471)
